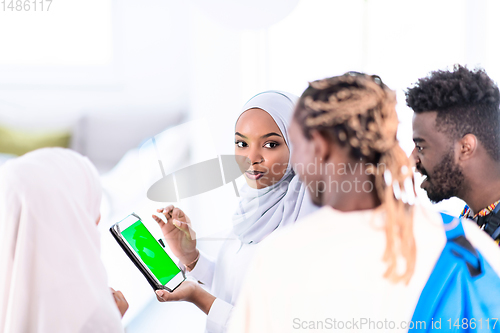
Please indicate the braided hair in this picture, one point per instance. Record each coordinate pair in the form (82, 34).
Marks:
(358, 110)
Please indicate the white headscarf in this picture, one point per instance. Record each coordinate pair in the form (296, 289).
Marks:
(51, 276)
(261, 211)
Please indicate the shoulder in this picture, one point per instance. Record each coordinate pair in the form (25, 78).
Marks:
(281, 244)
(483, 243)
(324, 231)
(287, 236)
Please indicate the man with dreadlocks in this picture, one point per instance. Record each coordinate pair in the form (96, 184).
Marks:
(361, 262)
(456, 130)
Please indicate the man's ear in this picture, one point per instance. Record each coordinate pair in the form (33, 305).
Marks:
(321, 145)
(468, 146)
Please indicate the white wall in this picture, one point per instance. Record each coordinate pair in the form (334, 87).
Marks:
(149, 64)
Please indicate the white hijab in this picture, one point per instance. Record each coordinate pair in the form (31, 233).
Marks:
(261, 211)
(51, 276)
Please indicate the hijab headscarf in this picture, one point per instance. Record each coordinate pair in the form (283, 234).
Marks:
(51, 276)
(261, 211)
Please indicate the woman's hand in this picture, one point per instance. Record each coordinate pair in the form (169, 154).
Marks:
(189, 291)
(120, 301)
(178, 233)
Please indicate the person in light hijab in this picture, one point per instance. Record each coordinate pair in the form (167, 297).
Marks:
(371, 246)
(272, 198)
(51, 276)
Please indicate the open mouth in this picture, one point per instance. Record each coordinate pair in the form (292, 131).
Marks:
(425, 179)
(425, 182)
(254, 174)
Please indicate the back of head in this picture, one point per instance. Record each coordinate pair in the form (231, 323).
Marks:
(52, 178)
(466, 101)
(49, 243)
(357, 111)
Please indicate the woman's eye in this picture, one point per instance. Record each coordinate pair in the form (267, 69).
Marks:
(240, 144)
(419, 148)
(271, 145)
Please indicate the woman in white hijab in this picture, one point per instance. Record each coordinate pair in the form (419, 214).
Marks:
(51, 276)
(272, 198)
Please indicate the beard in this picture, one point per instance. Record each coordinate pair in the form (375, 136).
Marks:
(445, 181)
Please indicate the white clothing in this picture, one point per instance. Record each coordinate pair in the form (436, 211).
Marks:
(327, 270)
(225, 277)
(52, 279)
(260, 213)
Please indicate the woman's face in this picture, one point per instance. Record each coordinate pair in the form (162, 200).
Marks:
(258, 138)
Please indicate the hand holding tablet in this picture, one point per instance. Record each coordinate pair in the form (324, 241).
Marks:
(120, 301)
(179, 235)
(147, 253)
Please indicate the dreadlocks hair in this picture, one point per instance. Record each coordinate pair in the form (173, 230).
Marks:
(358, 110)
(466, 101)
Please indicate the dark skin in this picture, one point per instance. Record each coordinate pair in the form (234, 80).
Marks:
(321, 151)
(259, 139)
(481, 172)
(182, 240)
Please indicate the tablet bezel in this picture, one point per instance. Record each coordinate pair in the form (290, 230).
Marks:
(143, 268)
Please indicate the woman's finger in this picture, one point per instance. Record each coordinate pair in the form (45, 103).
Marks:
(177, 213)
(185, 228)
(167, 212)
(165, 227)
(159, 295)
(119, 295)
(159, 220)
(168, 208)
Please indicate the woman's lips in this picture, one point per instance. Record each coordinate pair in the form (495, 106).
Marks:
(254, 175)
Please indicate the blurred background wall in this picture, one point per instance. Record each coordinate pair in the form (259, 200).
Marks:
(104, 76)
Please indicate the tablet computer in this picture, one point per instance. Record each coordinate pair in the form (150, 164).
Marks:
(147, 253)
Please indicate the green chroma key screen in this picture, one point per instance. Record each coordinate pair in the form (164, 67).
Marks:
(151, 253)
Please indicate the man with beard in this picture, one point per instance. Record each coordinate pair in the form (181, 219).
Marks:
(361, 262)
(456, 130)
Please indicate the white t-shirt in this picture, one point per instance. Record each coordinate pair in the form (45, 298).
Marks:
(326, 273)
(224, 278)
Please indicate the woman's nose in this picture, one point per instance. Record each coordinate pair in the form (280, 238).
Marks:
(255, 157)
